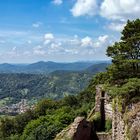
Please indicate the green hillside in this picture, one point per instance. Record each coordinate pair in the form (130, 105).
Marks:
(33, 87)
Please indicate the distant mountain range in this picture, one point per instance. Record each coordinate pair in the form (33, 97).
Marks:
(70, 80)
(47, 67)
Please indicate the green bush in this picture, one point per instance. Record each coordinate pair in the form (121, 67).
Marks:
(108, 125)
(97, 121)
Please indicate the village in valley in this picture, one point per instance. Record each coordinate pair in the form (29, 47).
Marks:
(14, 109)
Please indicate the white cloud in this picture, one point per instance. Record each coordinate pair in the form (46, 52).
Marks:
(87, 42)
(49, 37)
(75, 41)
(37, 24)
(103, 38)
(63, 48)
(102, 42)
(12, 53)
(120, 9)
(55, 48)
(55, 45)
(116, 26)
(84, 7)
(57, 2)
(39, 50)
(71, 46)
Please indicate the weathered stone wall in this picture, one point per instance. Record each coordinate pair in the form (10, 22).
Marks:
(126, 126)
(104, 136)
(118, 125)
(107, 102)
(132, 118)
(80, 129)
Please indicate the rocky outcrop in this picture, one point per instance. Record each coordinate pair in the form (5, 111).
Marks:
(104, 136)
(126, 125)
(133, 127)
(125, 121)
(80, 129)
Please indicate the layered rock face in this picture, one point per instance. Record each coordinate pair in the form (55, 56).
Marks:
(80, 129)
(126, 126)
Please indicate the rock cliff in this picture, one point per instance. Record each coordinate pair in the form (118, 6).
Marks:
(125, 121)
(80, 129)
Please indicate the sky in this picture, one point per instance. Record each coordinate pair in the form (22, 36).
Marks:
(61, 30)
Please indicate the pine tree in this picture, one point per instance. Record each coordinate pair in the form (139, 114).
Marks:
(126, 53)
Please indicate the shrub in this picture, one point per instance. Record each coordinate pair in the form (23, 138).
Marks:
(108, 125)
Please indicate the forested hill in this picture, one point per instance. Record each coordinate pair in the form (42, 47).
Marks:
(45, 67)
(56, 85)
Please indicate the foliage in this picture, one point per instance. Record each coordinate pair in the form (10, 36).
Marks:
(130, 90)
(48, 117)
(37, 86)
(108, 125)
(70, 100)
(46, 127)
(126, 53)
(97, 121)
(6, 127)
(45, 104)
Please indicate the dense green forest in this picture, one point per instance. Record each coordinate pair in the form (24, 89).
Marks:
(122, 79)
(56, 85)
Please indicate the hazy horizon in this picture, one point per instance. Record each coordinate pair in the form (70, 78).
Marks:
(81, 61)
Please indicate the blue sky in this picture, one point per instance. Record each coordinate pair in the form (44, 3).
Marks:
(61, 30)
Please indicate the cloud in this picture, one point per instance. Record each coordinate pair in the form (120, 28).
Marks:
(102, 41)
(49, 37)
(116, 26)
(57, 2)
(103, 38)
(63, 48)
(71, 46)
(84, 7)
(37, 24)
(87, 42)
(120, 9)
(12, 53)
(75, 41)
(38, 50)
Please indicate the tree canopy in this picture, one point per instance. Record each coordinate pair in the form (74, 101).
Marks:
(125, 54)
